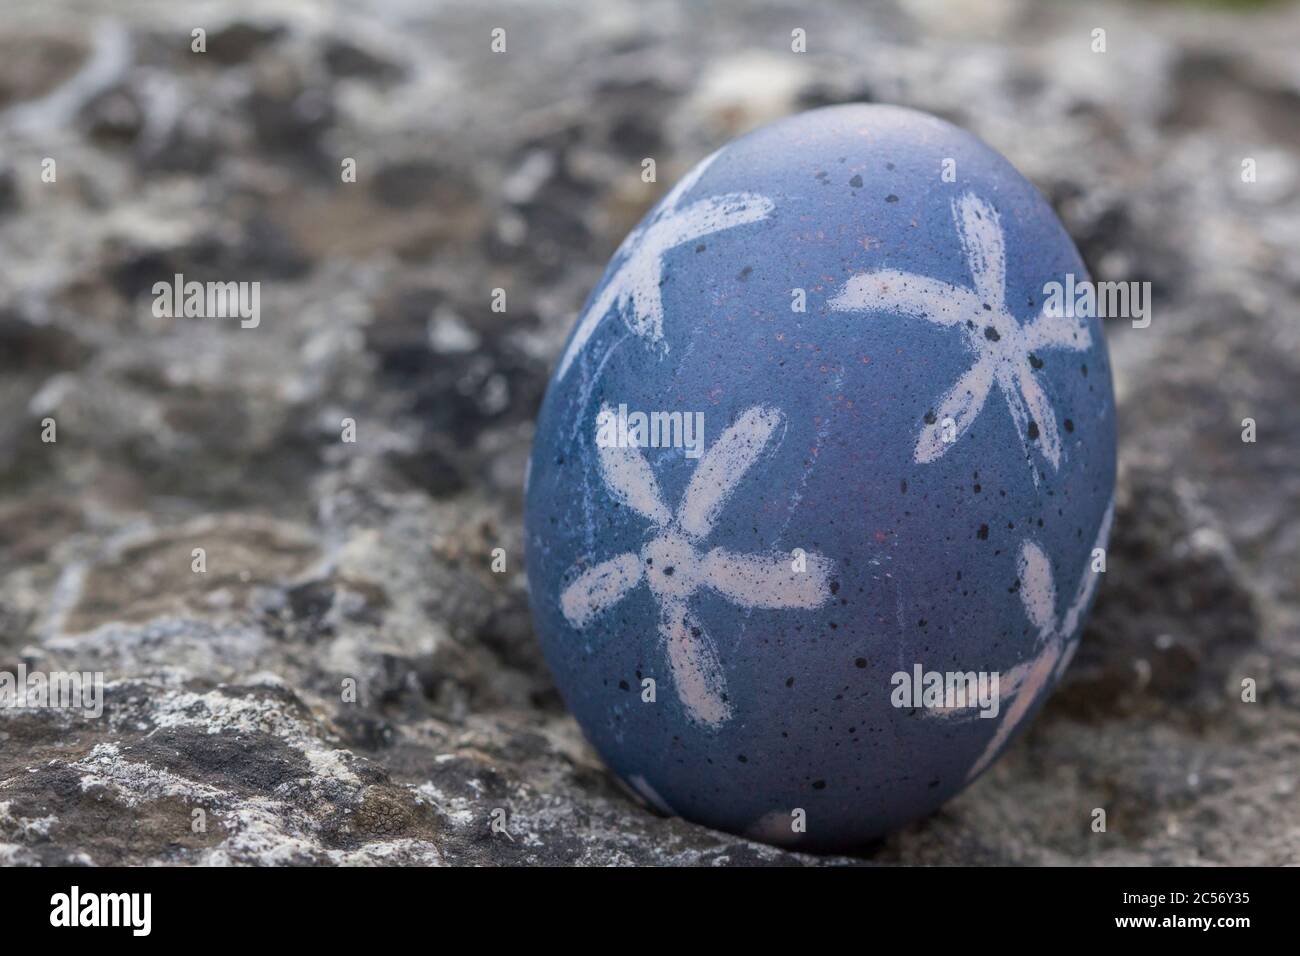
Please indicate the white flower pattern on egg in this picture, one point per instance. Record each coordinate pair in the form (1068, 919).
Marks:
(675, 567)
(1004, 349)
(633, 290)
(1057, 639)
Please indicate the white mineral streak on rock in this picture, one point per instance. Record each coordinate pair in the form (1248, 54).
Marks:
(109, 59)
(272, 828)
(216, 713)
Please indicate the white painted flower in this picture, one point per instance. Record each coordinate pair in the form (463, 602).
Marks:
(675, 566)
(633, 290)
(1005, 351)
(1057, 637)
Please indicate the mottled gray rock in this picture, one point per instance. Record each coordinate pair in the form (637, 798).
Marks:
(348, 681)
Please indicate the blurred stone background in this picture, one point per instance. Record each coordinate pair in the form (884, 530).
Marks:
(371, 560)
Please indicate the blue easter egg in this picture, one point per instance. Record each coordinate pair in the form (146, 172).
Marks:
(818, 481)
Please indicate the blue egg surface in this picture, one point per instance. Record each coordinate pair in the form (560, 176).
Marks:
(819, 483)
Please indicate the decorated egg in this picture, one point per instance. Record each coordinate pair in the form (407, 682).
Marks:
(821, 486)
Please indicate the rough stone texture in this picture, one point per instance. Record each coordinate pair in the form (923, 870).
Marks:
(369, 562)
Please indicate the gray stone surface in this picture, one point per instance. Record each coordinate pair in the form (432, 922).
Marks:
(369, 561)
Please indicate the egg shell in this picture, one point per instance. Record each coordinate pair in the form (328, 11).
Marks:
(908, 475)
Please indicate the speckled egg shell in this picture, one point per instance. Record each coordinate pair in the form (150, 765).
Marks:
(912, 471)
